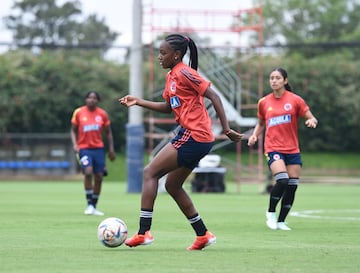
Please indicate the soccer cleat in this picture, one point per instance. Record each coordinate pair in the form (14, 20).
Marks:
(271, 220)
(97, 212)
(282, 226)
(89, 210)
(203, 241)
(140, 239)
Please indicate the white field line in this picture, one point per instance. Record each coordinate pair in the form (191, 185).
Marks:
(319, 214)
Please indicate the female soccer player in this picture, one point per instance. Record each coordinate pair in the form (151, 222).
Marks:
(183, 95)
(88, 123)
(279, 113)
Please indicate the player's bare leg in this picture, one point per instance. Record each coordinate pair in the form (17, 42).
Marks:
(174, 186)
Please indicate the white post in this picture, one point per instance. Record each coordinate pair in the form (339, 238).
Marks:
(135, 127)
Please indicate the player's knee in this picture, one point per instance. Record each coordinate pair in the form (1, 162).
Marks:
(88, 171)
(147, 173)
(282, 178)
(294, 181)
(169, 189)
(173, 189)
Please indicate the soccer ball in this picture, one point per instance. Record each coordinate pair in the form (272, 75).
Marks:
(112, 232)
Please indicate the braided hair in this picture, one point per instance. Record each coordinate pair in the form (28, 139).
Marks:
(180, 42)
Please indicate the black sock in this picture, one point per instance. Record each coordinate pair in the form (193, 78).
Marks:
(89, 194)
(288, 200)
(197, 224)
(145, 220)
(95, 198)
(277, 191)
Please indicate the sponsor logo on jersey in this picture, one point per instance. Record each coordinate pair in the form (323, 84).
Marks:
(91, 127)
(279, 120)
(175, 102)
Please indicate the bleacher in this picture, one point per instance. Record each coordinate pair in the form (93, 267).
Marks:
(36, 155)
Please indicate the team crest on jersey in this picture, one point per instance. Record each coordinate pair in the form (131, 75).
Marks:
(173, 87)
(287, 106)
(276, 156)
(98, 118)
(175, 102)
(84, 160)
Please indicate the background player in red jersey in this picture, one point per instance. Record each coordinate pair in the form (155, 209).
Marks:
(183, 95)
(279, 113)
(88, 123)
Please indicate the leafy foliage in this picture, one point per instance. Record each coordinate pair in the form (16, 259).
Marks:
(322, 39)
(40, 92)
(330, 87)
(319, 22)
(45, 24)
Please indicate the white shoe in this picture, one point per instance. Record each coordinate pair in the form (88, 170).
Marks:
(89, 210)
(97, 212)
(271, 220)
(282, 226)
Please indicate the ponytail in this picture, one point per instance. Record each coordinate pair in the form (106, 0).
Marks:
(288, 87)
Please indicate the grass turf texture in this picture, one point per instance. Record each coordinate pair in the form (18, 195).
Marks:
(314, 163)
(43, 229)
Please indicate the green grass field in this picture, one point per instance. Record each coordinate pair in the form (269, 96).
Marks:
(346, 164)
(43, 229)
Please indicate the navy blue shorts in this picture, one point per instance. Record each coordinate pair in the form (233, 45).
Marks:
(289, 159)
(94, 158)
(189, 150)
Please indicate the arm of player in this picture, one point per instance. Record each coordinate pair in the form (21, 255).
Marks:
(310, 120)
(73, 136)
(110, 140)
(257, 131)
(218, 106)
(162, 107)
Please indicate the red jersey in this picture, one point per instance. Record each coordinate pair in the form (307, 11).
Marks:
(281, 117)
(184, 91)
(90, 125)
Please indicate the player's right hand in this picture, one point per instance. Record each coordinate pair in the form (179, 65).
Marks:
(128, 100)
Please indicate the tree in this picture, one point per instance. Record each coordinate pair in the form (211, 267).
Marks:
(46, 24)
(323, 23)
(40, 92)
(321, 39)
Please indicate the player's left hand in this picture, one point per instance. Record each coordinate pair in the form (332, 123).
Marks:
(311, 122)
